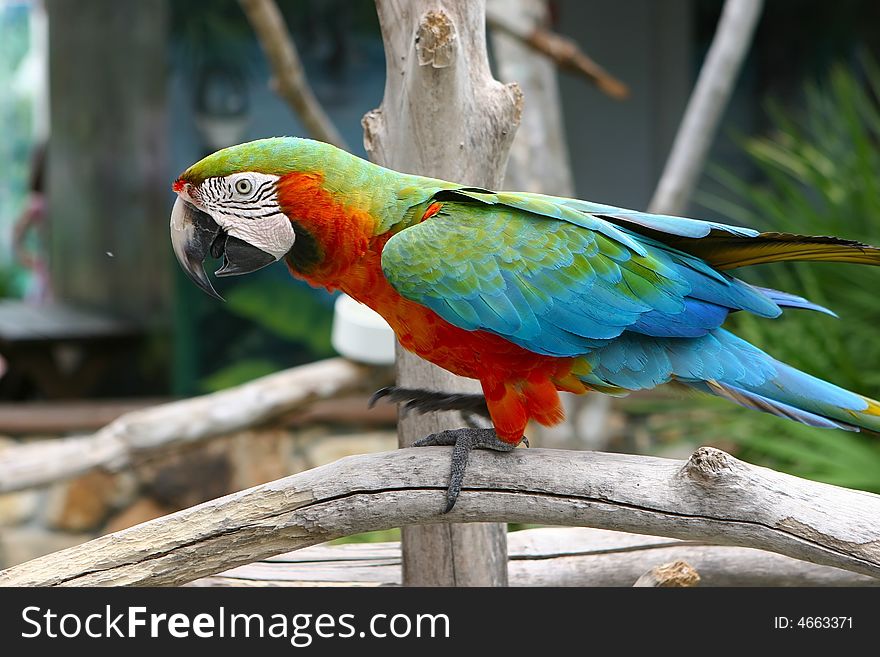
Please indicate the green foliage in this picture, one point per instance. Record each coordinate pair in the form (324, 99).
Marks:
(289, 310)
(821, 176)
(285, 310)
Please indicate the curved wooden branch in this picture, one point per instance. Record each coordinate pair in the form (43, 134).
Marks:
(290, 79)
(548, 556)
(139, 433)
(712, 497)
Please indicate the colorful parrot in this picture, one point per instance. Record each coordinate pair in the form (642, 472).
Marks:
(529, 294)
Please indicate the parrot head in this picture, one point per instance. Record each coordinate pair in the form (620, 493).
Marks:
(227, 206)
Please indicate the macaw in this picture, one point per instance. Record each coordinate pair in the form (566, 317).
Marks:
(529, 294)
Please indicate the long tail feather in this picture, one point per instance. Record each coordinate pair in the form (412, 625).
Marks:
(797, 396)
(780, 409)
(725, 251)
(786, 300)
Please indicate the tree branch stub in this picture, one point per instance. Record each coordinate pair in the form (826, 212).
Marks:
(667, 575)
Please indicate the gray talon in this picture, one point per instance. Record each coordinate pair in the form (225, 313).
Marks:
(379, 394)
(462, 442)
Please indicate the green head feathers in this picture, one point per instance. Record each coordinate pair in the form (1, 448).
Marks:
(354, 182)
(276, 156)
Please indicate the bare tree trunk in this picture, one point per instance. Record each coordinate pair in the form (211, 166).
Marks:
(706, 105)
(442, 115)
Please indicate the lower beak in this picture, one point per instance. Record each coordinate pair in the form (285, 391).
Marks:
(195, 235)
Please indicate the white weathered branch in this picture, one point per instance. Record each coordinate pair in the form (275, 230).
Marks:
(598, 557)
(290, 78)
(706, 105)
(549, 556)
(712, 497)
(442, 115)
(145, 432)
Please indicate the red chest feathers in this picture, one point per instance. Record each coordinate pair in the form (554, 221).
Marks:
(336, 249)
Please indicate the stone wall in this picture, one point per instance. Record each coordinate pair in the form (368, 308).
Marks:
(40, 521)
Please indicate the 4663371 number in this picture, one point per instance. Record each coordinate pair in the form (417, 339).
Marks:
(813, 622)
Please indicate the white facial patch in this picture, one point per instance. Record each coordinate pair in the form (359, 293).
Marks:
(245, 205)
(274, 235)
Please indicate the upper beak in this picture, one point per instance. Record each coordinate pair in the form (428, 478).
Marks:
(195, 234)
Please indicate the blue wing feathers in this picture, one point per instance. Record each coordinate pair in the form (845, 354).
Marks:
(569, 278)
(697, 319)
(542, 273)
(679, 226)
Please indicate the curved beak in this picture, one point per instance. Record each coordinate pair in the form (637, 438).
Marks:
(195, 235)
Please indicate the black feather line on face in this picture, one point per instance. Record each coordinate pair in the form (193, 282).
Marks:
(306, 253)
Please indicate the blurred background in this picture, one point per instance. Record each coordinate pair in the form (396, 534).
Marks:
(104, 102)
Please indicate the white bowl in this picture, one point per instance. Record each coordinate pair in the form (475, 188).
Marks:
(360, 333)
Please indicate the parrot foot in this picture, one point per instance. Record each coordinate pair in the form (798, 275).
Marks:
(463, 441)
(428, 401)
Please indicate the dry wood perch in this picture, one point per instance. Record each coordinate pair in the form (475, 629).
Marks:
(549, 556)
(145, 432)
(711, 497)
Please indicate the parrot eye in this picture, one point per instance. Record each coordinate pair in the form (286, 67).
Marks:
(244, 186)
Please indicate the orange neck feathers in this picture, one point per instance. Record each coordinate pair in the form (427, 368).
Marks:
(330, 237)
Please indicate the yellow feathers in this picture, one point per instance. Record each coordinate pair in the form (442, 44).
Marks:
(873, 407)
